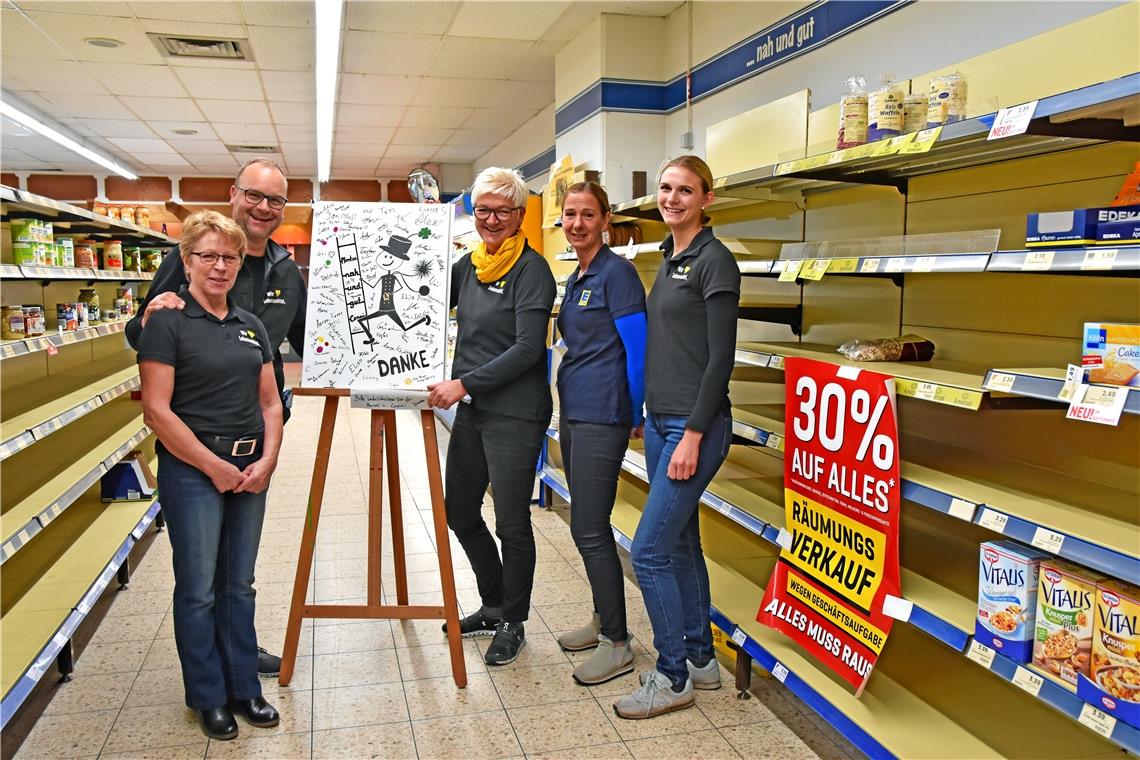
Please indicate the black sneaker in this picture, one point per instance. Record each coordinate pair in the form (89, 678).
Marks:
(268, 665)
(508, 642)
(476, 624)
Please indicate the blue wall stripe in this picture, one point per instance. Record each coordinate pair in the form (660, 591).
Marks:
(538, 164)
(808, 29)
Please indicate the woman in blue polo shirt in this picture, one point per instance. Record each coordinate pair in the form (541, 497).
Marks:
(210, 395)
(600, 390)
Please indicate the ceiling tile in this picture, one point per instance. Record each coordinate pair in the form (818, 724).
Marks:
(506, 20)
(198, 147)
(77, 104)
(440, 117)
(421, 136)
(248, 111)
(297, 114)
(36, 74)
(479, 58)
(354, 168)
(223, 84)
(137, 79)
(211, 161)
(484, 138)
(458, 153)
(377, 89)
(363, 134)
(246, 134)
(97, 8)
(68, 30)
(516, 94)
(109, 127)
(396, 168)
(358, 150)
(295, 86)
(137, 145)
(297, 13)
(417, 17)
(163, 108)
(223, 13)
(195, 28)
(20, 37)
(445, 91)
(282, 48)
(351, 115)
(538, 64)
(160, 160)
(387, 52)
(166, 129)
(300, 149)
(416, 152)
(296, 133)
(575, 17)
(508, 119)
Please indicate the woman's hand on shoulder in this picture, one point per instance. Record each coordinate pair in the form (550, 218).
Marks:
(225, 476)
(255, 479)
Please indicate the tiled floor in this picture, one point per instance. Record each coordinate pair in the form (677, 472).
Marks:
(383, 689)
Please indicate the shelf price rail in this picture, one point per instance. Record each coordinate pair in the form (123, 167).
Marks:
(22, 346)
(78, 220)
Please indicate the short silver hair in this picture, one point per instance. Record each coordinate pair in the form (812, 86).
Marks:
(497, 180)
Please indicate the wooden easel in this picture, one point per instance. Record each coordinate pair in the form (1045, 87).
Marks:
(382, 442)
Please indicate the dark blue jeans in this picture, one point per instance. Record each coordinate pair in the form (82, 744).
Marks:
(214, 539)
(667, 555)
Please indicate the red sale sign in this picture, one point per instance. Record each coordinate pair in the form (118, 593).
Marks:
(839, 548)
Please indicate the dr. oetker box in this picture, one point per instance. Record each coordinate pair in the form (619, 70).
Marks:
(1007, 597)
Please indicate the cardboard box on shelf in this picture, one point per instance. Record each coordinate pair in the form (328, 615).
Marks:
(1113, 681)
(1077, 227)
(1007, 597)
(1111, 353)
(1062, 645)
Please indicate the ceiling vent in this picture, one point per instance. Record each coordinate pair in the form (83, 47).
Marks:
(258, 149)
(212, 48)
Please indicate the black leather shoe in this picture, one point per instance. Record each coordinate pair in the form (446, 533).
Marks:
(268, 665)
(218, 723)
(508, 642)
(256, 711)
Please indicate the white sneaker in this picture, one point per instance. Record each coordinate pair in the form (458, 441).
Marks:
(707, 677)
(654, 697)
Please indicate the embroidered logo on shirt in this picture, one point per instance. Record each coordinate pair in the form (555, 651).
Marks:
(248, 336)
(273, 296)
(585, 298)
(681, 273)
(498, 287)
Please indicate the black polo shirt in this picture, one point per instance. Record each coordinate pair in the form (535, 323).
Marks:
(217, 365)
(593, 385)
(677, 345)
(500, 346)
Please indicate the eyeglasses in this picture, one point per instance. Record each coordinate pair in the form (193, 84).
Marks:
(210, 258)
(482, 213)
(255, 197)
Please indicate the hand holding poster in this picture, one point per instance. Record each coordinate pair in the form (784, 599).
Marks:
(839, 557)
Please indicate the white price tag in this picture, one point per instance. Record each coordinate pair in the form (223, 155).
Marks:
(981, 654)
(869, 265)
(1001, 382)
(992, 520)
(1095, 259)
(738, 637)
(775, 362)
(1037, 261)
(925, 391)
(1097, 720)
(897, 607)
(775, 442)
(1028, 680)
(1012, 121)
(924, 264)
(1073, 377)
(1097, 403)
(962, 509)
(895, 264)
(1043, 538)
(780, 672)
(784, 539)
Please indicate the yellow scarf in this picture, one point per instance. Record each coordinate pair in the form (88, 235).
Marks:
(491, 266)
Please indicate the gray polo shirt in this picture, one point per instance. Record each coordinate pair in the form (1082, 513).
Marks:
(500, 349)
(217, 365)
(690, 347)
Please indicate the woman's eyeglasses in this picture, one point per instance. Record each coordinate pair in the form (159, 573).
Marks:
(482, 213)
(210, 258)
(255, 197)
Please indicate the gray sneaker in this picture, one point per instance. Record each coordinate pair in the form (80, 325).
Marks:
(607, 662)
(582, 638)
(707, 677)
(654, 697)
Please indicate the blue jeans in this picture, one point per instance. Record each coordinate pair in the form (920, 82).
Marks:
(214, 538)
(667, 555)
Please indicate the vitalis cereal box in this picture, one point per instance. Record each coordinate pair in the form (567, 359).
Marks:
(1062, 645)
(1113, 680)
(1007, 597)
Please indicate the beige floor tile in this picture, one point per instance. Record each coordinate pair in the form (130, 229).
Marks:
(139, 728)
(552, 572)
(163, 654)
(136, 602)
(128, 628)
(352, 637)
(564, 617)
(440, 697)
(709, 745)
(193, 751)
(563, 592)
(611, 751)
(417, 633)
(542, 685)
(434, 660)
(273, 640)
(722, 708)
(66, 736)
(157, 687)
(250, 744)
(767, 741)
(817, 738)
(540, 649)
(543, 728)
(89, 692)
(619, 687)
(350, 706)
(355, 668)
(112, 657)
(483, 735)
(296, 709)
(681, 722)
(302, 679)
(361, 742)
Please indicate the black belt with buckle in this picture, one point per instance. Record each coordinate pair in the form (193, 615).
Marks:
(237, 447)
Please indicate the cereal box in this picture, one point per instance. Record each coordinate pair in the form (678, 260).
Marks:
(1112, 353)
(1113, 680)
(1007, 597)
(1062, 645)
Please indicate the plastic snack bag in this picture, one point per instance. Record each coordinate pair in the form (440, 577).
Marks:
(907, 348)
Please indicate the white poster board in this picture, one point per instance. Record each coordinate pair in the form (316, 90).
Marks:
(378, 301)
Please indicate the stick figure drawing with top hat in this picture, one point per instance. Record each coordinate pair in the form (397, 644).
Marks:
(389, 261)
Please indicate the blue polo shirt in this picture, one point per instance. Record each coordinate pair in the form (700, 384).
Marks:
(592, 381)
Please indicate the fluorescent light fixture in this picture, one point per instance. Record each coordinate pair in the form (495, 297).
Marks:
(54, 135)
(328, 13)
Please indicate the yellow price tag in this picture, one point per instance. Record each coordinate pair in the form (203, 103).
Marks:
(843, 266)
(791, 270)
(815, 269)
(860, 151)
(922, 141)
(836, 157)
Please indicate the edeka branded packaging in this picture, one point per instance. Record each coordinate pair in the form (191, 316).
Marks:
(1077, 227)
(1118, 226)
(1007, 597)
(1111, 353)
(1062, 644)
(1113, 680)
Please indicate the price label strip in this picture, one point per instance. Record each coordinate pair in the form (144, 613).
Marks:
(981, 654)
(843, 266)
(1037, 261)
(1012, 121)
(738, 637)
(1096, 719)
(1027, 680)
(780, 672)
(791, 270)
(991, 520)
(815, 269)
(924, 264)
(1098, 403)
(962, 398)
(1074, 374)
(1095, 260)
(1048, 540)
(775, 362)
(1001, 382)
(869, 266)
(923, 141)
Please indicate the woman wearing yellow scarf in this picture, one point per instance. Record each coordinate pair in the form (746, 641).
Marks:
(503, 294)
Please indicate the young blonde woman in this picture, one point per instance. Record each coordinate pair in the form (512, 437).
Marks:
(692, 309)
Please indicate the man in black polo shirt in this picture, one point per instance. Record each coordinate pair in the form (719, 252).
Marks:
(269, 283)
